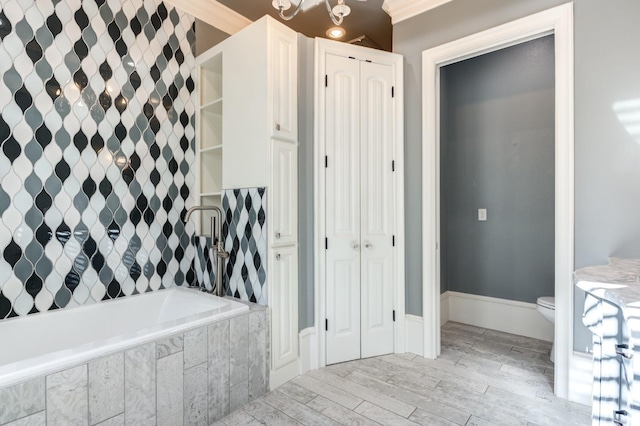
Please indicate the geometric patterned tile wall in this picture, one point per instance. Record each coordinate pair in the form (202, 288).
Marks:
(96, 147)
(204, 264)
(244, 232)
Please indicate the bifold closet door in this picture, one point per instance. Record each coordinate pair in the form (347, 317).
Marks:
(359, 209)
(342, 209)
(376, 219)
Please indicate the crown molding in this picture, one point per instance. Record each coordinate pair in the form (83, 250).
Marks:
(399, 10)
(213, 13)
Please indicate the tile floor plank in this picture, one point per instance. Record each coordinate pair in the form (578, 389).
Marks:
(483, 378)
(339, 413)
(328, 391)
(398, 407)
(382, 416)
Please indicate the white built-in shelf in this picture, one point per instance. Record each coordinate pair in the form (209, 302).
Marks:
(214, 107)
(210, 148)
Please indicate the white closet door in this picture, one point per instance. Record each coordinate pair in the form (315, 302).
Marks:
(342, 127)
(377, 220)
(283, 198)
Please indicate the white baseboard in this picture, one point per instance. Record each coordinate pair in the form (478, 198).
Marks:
(444, 308)
(414, 334)
(284, 374)
(581, 378)
(308, 350)
(510, 316)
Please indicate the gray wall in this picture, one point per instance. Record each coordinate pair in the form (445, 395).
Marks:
(607, 157)
(497, 152)
(305, 182)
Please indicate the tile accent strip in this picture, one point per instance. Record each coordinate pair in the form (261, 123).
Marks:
(244, 232)
(97, 143)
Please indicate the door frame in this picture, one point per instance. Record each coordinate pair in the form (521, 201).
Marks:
(557, 21)
(322, 47)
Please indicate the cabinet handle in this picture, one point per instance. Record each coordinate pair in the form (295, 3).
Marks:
(368, 245)
(277, 235)
(277, 127)
(616, 417)
(623, 350)
(278, 256)
(355, 246)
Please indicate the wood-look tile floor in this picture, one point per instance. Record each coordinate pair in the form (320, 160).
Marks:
(483, 377)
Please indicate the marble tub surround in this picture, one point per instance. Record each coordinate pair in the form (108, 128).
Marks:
(612, 314)
(194, 377)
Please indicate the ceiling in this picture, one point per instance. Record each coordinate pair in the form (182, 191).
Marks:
(366, 19)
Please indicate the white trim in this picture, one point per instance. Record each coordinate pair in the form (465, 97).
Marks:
(581, 378)
(414, 334)
(444, 308)
(505, 315)
(322, 48)
(213, 13)
(283, 374)
(308, 350)
(558, 21)
(399, 10)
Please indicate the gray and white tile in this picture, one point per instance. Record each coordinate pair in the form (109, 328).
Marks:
(140, 385)
(67, 397)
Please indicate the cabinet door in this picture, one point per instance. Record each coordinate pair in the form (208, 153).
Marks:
(283, 194)
(284, 305)
(283, 87)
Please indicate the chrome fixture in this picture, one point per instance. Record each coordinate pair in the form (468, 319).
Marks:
(218, 249)
(336, 13)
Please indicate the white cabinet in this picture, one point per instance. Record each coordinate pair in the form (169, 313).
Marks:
(283, 84)
(284, 194)
(258, 127)
(284, 286)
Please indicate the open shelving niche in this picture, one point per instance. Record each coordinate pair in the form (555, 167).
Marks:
(209, 142)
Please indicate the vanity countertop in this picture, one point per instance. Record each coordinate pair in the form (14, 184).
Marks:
(618, 283)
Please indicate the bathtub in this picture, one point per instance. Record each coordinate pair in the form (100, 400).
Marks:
(43, 343)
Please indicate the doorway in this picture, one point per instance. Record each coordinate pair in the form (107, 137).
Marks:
(497, 187)
(558, 22)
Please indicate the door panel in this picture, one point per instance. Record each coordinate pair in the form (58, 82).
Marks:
(342, 130)
(284, 84)
(377, 208)
(284, 306)
(284, 193)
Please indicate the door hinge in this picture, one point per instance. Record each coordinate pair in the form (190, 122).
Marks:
(393, 91)
(326, 161)
(393, 165)
(326, 243)
(393, 240)
(326, 324)
(326, 80)
(394, 315)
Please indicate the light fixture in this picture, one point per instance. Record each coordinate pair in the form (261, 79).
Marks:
(336, 32)
(337, 13)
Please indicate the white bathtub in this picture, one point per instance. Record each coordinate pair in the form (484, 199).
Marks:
(40, 344)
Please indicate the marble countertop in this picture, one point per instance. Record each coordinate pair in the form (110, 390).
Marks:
(618, 282)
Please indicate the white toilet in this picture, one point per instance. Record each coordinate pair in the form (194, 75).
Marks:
(547, 308)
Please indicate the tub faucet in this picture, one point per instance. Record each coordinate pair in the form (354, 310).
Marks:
(218, 248)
